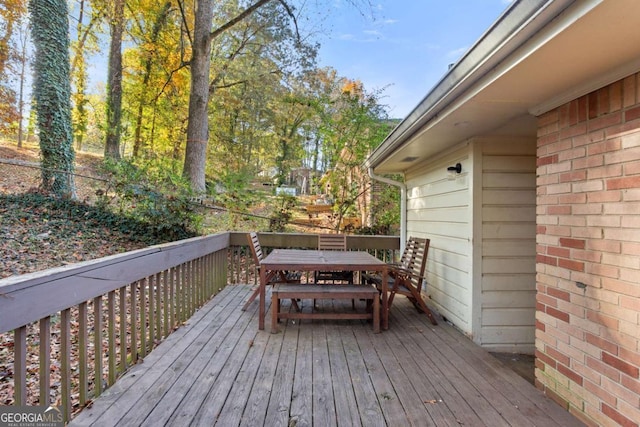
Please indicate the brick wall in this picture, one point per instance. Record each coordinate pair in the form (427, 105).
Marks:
(588, 255)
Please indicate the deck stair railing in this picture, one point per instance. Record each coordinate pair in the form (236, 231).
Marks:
(67, 334)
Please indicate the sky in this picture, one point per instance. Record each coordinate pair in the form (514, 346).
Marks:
(407, 48)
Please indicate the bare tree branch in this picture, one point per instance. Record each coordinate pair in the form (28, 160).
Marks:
(248, 11)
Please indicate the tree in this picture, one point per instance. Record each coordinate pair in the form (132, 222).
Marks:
(86, 43)
(11, 13)
(52, 88)
(198, 126)
(114, 82)
(23, 61)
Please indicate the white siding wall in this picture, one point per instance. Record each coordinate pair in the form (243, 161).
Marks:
(508, 223)
(439, 208)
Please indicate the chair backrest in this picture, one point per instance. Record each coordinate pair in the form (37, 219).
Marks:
(414, 259)
(332, 242)
(254, 245)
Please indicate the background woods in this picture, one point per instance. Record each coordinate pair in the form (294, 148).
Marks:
(224, 93)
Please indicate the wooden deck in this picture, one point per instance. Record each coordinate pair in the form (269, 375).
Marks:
(219, 369)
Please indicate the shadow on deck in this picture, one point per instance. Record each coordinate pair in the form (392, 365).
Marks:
(219, 369)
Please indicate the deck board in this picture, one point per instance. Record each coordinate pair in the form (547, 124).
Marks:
(219, 369)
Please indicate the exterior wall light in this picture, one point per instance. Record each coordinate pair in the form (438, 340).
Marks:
(457, 169)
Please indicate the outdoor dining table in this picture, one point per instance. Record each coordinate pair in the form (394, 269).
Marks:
(315, 260)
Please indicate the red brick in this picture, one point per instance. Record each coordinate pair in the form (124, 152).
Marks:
(605, 121)
(548, 139)
(631, 384)
(632, 114)
(621, 365)
(573, 176)
(617, 416)
(630, 303)
(630, 356)
(546, 260)
(541, 326)
(603, 368)
(571, 265)
(603, 101)
(606, 246)
(572, 198)
(548, 118)
(561, 315)
(615, 96)
(570, 132)
(545, 359)
(547, 160)
(572, 243)
(604, 147)
(604, 196)
(547, 300)
(601, 343)
(601, 319)
(588, 162)
(560, 294)
(609, 171)
(583, 109)
(559, 210)
(629, 91)
(573, 376)
(620, 183)
(563, 115)
(592, 108)
(557, 356)
(558, 252)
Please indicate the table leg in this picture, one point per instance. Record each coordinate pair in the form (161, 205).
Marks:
(385, 299)
(261, 311)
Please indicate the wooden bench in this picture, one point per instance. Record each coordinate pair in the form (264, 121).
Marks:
(293, 291)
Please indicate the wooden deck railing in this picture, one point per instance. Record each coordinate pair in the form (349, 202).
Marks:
(77, 328)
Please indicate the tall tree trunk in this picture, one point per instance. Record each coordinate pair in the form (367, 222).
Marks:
(52, 89)
(198, 126)
(114, 83)
(195, 160)
(24, 35)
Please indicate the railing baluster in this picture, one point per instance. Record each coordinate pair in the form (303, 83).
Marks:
(152, 309)
(133, 290)
(143, 316)
(172, 298)
(123, 330)
(45, 361)
(65, 356)
(157, 314)
(82, 353)
(97, 344)
(20, 365)
(167, 303)
(184, 293)
(111, 336)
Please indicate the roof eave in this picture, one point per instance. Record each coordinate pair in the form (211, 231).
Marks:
(514, 27)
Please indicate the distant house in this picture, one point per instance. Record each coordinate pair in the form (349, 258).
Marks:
(535, 236)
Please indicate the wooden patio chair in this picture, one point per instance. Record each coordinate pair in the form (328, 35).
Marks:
(273, 276)
(333, 242)
(406, 277)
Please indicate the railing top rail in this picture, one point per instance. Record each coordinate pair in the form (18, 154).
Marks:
(31, 297)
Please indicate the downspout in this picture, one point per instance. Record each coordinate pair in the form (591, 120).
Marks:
(403, 204)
